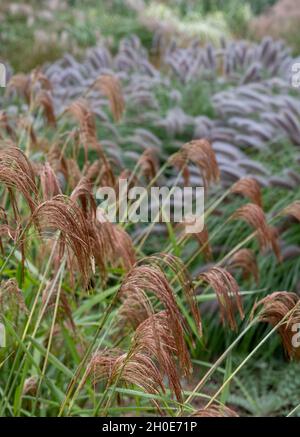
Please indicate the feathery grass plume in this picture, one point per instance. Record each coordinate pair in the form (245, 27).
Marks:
(273, 309)
(131, 179)
(21, 84)
(11, 299)
(255, 217)
(246, 260)
(293, 210)
(14, 232)
(40, 80)
(180, 161)
(100, 241)
(215, 410)
(5, 228)
(248, 187)
(274, 235)
(26, 84)
(49, 183)
(106, 177)
(142, 280)
(149, 163)
(200, 153)
(137, 369)
(63, 214)
(92, 171)
(123, 248)
(109, 242)
(153, 337)
(135, 309)
(43, 99)
(110, 86)
(182, 276)
(107, 249)
(59, 164)
(5, 126)
(83, 193)
(204, 244)
(227, 292)
(100, 171)
(17, 173)
(81, 111)
(73, 171)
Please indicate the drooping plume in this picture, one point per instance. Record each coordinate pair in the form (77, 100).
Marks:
(227, 292)
(281, 306)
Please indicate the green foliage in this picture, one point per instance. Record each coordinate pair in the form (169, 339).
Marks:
(266, 385)
(271, 388)
(83, 24)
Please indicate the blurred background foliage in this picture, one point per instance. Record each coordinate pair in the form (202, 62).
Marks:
(43, 30)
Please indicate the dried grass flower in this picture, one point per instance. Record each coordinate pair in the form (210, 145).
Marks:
(249, 188)
(227, 292)
(274, 308)
(110, 86)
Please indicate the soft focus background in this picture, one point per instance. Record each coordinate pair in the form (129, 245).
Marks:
(34, 32)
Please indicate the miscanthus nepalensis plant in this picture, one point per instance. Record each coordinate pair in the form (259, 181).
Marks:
(104, 318)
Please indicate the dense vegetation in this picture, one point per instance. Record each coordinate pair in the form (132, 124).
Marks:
(140, 319)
